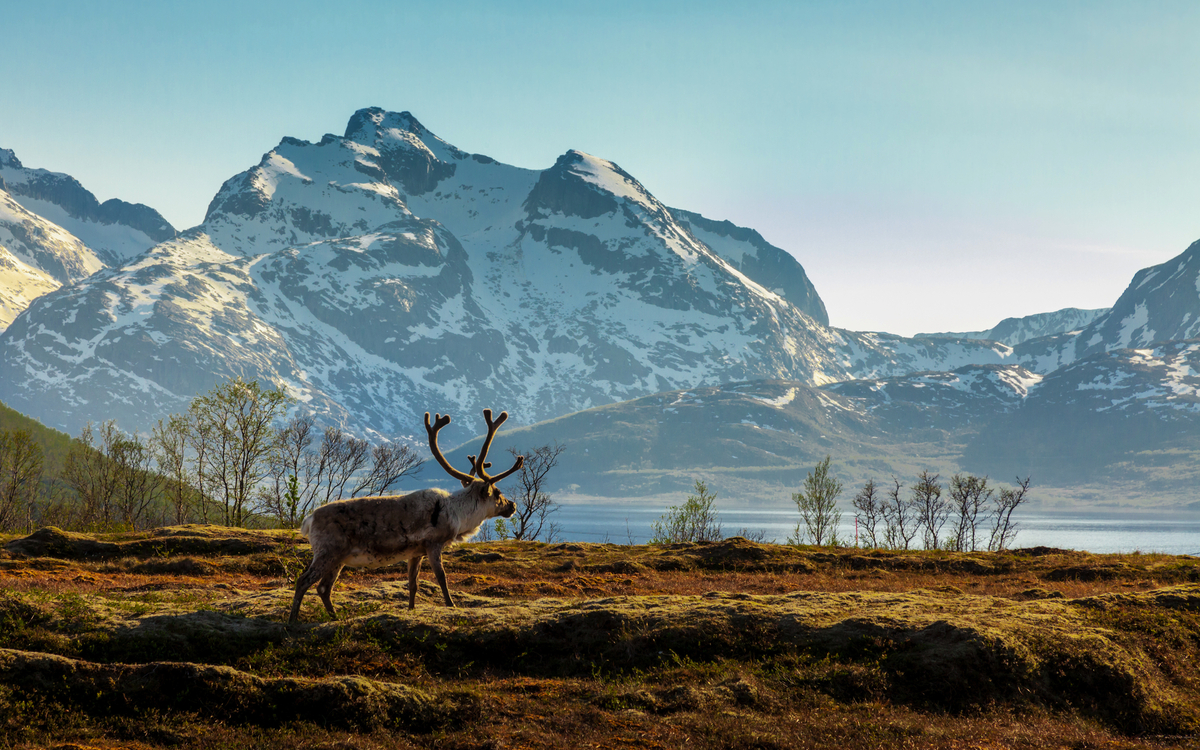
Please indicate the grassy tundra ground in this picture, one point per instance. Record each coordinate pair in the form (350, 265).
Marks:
(178, 639)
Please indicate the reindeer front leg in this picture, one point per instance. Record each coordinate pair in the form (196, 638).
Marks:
(305, 580)
(435, 562)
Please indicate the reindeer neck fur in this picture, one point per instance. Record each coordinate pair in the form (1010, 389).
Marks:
(475, 505)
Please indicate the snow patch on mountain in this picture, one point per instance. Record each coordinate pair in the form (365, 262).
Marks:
(20, 285)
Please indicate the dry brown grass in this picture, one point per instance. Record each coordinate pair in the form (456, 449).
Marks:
(725, 645)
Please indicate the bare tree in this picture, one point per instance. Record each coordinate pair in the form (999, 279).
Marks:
(390, 462)
(1004, 529)
(932, 509)
(92, 475)
(968, 495)
(534, 505)
(58, 506)
(868, 511)
(295, 474)
(817, 504)
(21, 464)
(899, 517)
(300, 478)
(340, 457)
(201, 436)
(137, 485)
(169, 442)
(235, 420)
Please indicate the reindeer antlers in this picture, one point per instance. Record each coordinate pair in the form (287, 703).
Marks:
(480, 464)
(440, 422)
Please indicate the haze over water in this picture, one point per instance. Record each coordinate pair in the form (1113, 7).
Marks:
(1176, 535)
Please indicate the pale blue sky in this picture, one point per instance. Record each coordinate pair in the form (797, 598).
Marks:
(934, 166)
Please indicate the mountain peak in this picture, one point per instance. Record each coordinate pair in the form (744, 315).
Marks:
(587, 186)
(8, 158)
(370, 120)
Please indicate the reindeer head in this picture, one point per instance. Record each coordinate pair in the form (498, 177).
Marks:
(481, 483)
(501, 505)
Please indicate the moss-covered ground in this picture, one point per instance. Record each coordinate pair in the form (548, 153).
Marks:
(178, 638)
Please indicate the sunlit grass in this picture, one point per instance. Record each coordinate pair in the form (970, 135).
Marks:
(733, 644)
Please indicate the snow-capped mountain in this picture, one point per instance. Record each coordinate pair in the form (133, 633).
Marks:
(384, 273)
(114, 230)
(1162, 303)
(1013, 331)
(747, 251)
(36, 257)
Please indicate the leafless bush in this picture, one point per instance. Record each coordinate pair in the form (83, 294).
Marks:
(900, 518)
(968, 496)
(932, 509)
(868, 512)
(534, 505)
(20, 475)
(1004, 529)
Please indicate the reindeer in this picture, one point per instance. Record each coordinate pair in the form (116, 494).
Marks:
(375, 531)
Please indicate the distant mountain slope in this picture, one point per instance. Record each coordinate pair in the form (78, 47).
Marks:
(54, 444)
(766, 432)
(1115, 428)
(1100, 413)
(114, 230)
(1013, 331)
(955, 402)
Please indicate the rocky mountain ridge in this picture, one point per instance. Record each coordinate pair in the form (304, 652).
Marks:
(114, 230)
(1013, 331)
(384, 273)
(54, 232)
(36, 257)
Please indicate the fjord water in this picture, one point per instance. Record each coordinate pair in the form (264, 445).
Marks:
(1094, 532)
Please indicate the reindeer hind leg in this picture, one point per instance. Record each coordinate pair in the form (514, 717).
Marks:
(305, 581)
(325, 588)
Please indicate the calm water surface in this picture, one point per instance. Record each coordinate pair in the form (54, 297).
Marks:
(1177, 535)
